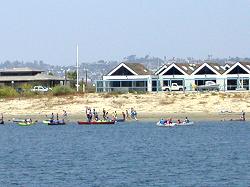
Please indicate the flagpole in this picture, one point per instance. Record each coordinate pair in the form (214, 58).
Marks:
(77, 69)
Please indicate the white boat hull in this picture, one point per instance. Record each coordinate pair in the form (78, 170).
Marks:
(165, 125)
(185, 123)
(174, 124)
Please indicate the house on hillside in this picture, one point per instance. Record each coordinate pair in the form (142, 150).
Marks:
(19, 76)
(134, 76)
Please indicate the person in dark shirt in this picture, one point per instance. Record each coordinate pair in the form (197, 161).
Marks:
(104, 113)
(123, 115)
(243, 116)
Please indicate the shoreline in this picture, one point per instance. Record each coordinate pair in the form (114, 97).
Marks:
(143, 116)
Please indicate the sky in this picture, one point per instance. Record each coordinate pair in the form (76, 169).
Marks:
(49, 30)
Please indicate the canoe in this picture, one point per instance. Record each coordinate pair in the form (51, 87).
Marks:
(237, 120)
(17, 120)
(56, 122)
(165, 124)
(242, 120)
(185, 123)
(96, 123)
(46, 121)
(26, 124)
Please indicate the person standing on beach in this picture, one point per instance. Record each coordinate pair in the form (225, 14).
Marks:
(135, 115)
(123, 116)
(106, 116)
(104, 113)
(52, 116)
(94, 114)
(132, 113)
(2, 117)
(91, 114)
(127, 115)
(88, 113)
(243, 118)
(65, 114)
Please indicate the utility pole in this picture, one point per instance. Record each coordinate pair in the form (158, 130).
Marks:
(83, 86)
(65, 76)
(86, 79)
(77, 69)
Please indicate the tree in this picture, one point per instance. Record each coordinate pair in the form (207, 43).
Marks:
(72, 75)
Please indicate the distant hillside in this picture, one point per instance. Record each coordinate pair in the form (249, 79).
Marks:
(95, 70)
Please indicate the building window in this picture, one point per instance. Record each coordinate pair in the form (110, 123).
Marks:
(115, 84)
(126, 84)
(203, 81)
(231, 84)
(166, 83)
(140, 84)
(179, 82)
(99, 84)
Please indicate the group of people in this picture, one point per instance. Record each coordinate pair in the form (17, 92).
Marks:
(92, 114)
(131, 115)
(170, 121)
(64, 115)
(29, 120)
(242, 117)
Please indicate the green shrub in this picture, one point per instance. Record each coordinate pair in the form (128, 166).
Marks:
(62, 90)
(8, 92)
(138, 92)
(28, 93)
(26, 86)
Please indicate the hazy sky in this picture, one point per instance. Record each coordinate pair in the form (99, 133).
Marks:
(48, 30)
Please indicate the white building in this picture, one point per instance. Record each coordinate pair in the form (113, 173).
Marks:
(135, 77)
(127, 77)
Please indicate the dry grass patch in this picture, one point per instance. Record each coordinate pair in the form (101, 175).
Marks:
(222, 95)
(117, 103)
(166, 101)
(182, 97)
(202, 102)
(236, 95)
(138, 97)
(214, 93)
(125, 97)
(110, 94)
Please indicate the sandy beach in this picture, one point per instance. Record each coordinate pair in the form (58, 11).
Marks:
(198, 106)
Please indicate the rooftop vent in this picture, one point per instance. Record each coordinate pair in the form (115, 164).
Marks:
(184, 67)
(217, 67)
(190, 67)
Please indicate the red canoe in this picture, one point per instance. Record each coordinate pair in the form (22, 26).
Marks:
(96, 122)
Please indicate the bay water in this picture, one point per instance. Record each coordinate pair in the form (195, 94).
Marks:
(126, 154)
